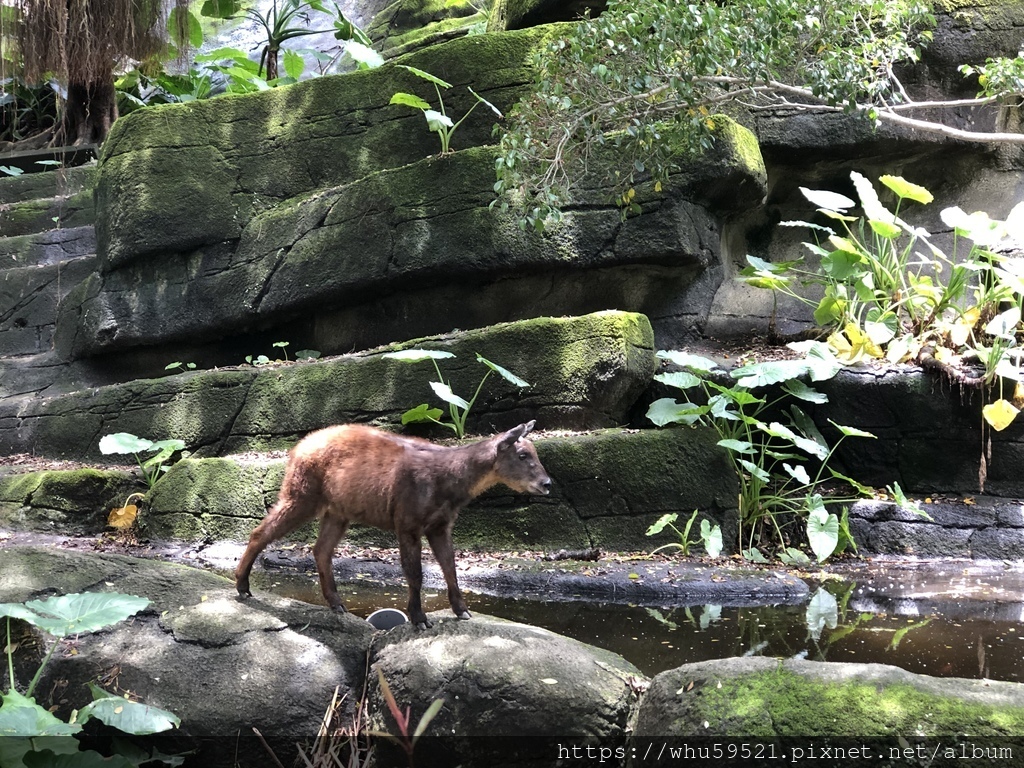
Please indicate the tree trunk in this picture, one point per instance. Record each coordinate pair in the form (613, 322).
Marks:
(90, 110)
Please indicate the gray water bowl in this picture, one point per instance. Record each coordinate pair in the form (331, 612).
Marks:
(387, 618)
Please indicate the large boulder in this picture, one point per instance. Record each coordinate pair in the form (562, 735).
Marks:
(513, 694)
(223, 666)
(745, 711)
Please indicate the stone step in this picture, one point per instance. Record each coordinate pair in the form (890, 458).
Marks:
(609, 486)
(29, 297)
(65, 211)
(49, 247)
(585, 372)
(46, 185)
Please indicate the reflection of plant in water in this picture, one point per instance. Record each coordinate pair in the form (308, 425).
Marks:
(825, 610)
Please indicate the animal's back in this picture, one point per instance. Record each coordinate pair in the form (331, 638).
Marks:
(352, 470)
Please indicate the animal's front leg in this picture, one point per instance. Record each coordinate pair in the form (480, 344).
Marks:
(444, 551)
(410, 550)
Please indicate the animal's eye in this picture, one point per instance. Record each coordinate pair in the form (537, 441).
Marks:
(524, 456)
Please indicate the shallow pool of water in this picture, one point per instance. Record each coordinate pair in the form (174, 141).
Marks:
(934, 622)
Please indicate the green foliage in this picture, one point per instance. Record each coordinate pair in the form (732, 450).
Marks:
(154, 466)
(405, 739)
(27, 109)
(646, 78)
(710, 535)
(781, 467)
(180, 366)
(458, 407)
(888, 292)
(31, 735)
(438, 120)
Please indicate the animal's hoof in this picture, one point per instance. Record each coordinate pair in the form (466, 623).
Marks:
(244, 595)
(425, 624)
(465, 616)
(339, 608)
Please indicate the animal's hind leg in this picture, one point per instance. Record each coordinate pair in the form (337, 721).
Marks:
(331, 531)
(283, 518)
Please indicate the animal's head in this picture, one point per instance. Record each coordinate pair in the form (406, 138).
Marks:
(517, 465)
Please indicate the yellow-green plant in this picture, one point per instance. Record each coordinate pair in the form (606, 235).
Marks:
(438, 120)
(890, 293)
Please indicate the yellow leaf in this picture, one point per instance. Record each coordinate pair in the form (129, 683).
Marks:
(960, 332)
(1000, 414)
(122, 517)
(634, 575)
(970, 501)
(203, 599)
(945, 355)
(657, 186)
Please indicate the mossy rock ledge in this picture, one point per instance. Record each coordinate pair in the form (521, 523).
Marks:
(585, 372)
(371, 260)
(860, 713)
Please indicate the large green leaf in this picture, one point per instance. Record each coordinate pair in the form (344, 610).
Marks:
(221, 9)
(83, 612)
(124, 442)
(409, 100)
(659, 525)
(505, 373)
(822, 529)
(777, 429)
(803, 392)
(830, 201)
(711, 535)
(364, 56)
(737, 446)
(755, 470)
(437, 121)
(183, 20)
(668, 411)
(679, 379)
(422, 412)
(906, 189)
(443, 391)
(127, 716)
(686, 360)
(20, 716)
(13, 749)
(485, 102)
(426, 76)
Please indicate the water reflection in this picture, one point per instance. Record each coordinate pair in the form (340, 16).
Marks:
(957, 633)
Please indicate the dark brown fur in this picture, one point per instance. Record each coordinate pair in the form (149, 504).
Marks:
(353, 473)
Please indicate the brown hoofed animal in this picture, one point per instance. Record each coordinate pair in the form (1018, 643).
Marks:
(354, 473)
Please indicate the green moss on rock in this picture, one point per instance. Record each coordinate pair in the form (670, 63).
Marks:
(795, 701)
(70, 501)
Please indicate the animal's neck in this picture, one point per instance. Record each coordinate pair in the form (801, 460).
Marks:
(473, 470)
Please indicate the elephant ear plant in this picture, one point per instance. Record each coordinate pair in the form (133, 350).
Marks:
(888, 293)
(31, 736)
(154, 466)
(781, 464)
(458, 407)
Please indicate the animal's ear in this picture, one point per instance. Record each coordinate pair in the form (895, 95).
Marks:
(508, 439)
